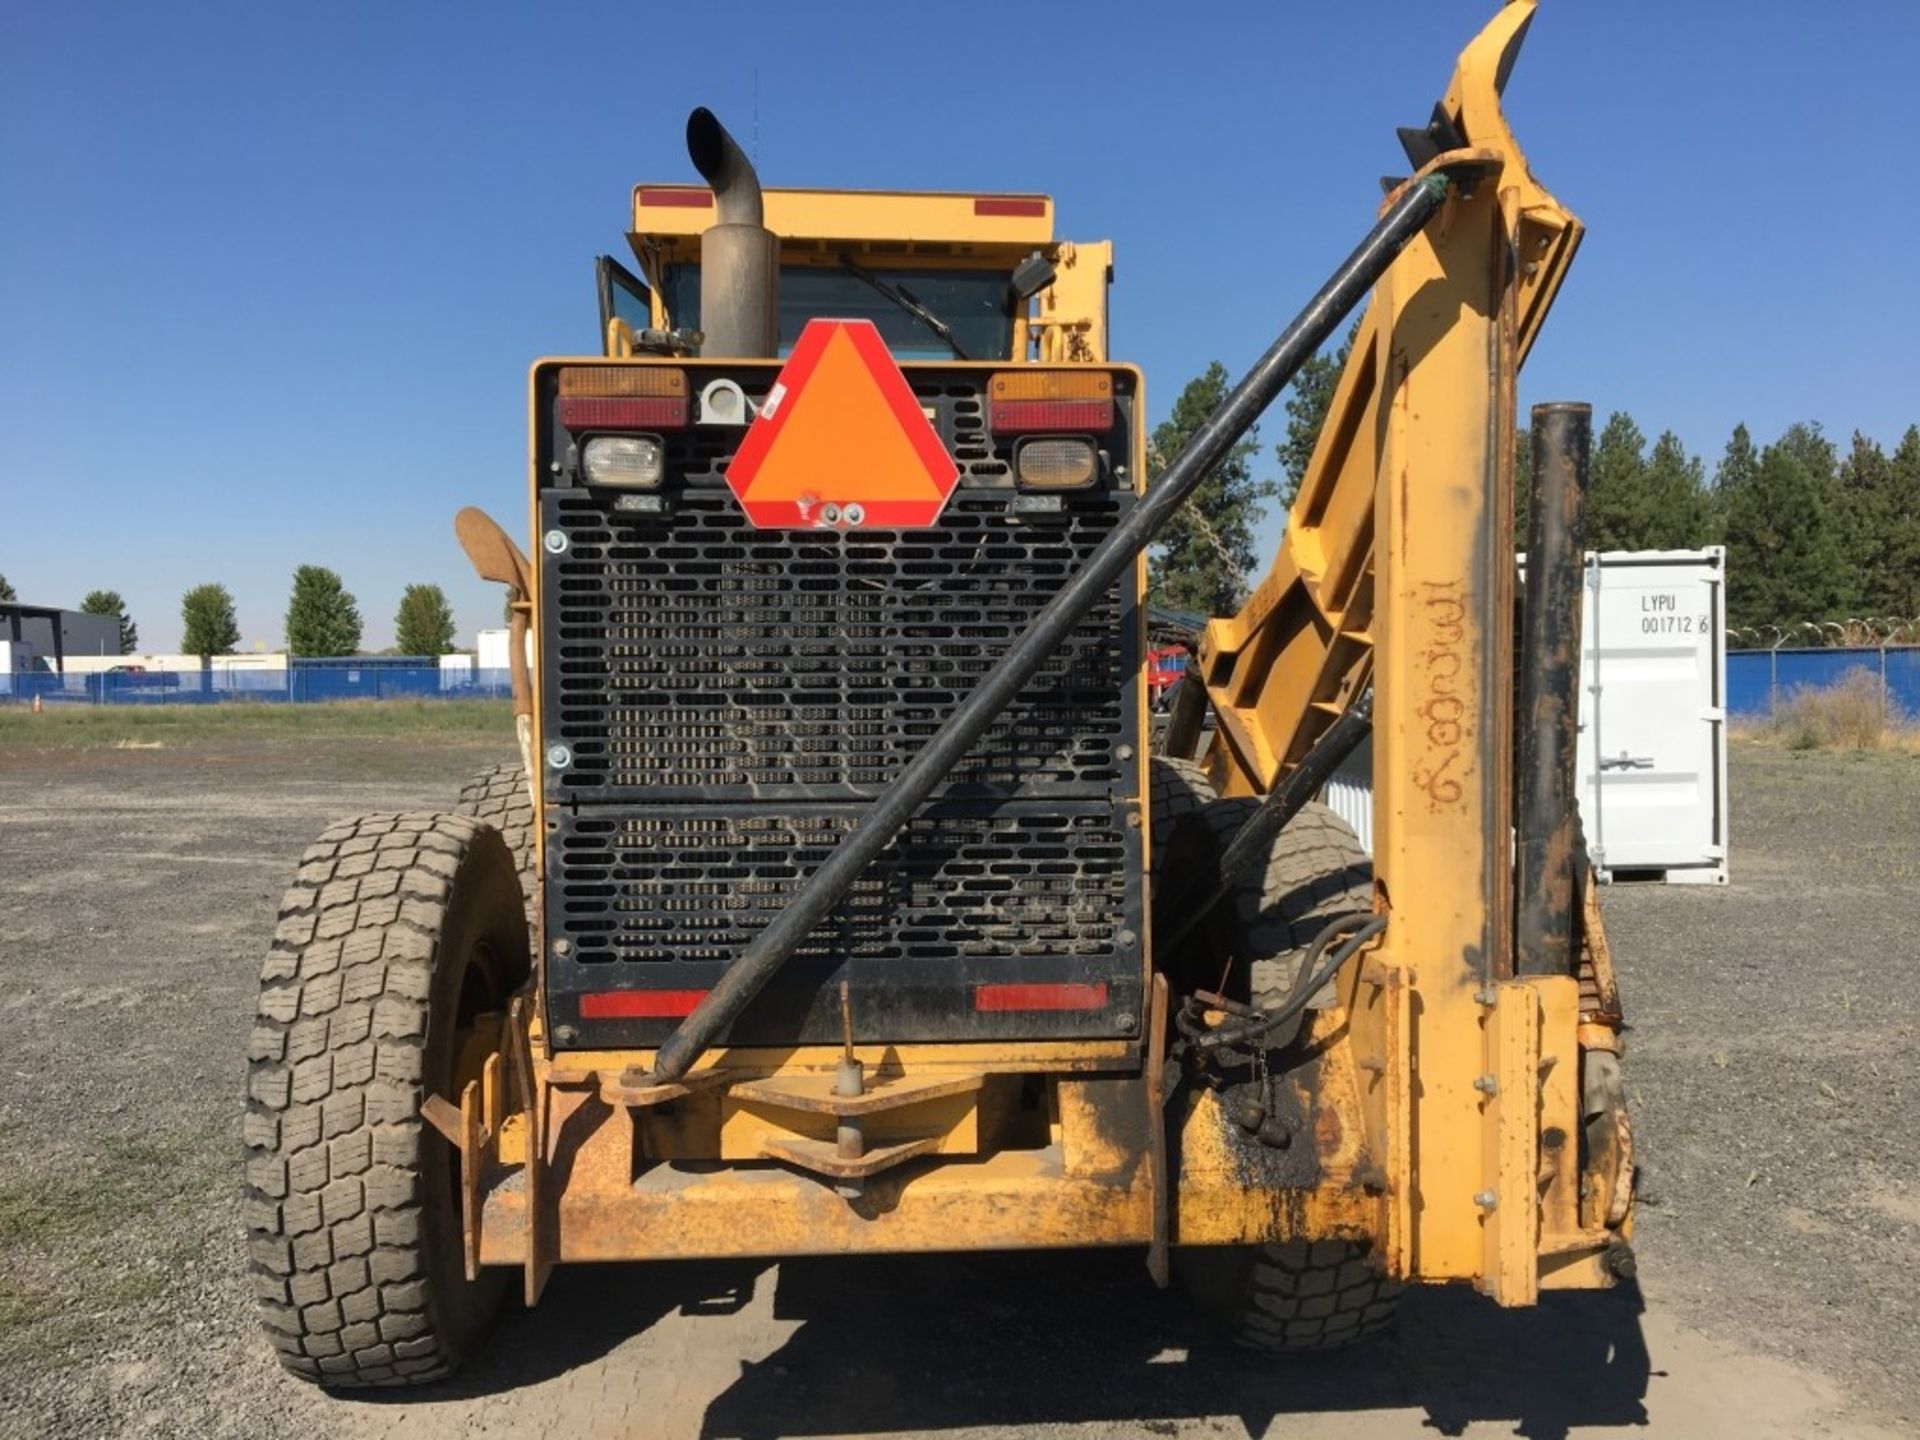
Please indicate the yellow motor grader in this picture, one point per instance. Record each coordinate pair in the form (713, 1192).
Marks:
(841, 903)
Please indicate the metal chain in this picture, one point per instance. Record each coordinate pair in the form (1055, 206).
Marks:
(1157, 461)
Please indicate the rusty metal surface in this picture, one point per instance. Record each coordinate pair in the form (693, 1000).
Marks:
(1156, 1106)
(1599, 985)
(824, 1158)
(1545, 820)
(815, 1093)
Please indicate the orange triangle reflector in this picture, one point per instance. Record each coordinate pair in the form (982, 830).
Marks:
(841, 441)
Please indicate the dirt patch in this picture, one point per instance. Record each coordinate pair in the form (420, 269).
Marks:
(1773, 1063)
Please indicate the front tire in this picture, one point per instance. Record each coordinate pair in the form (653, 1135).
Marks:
(401, 935)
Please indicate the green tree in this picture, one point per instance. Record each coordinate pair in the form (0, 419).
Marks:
(1862, 482)
(1880, 495)
(1739, 463)
(322, 618)
(207, 624)
(1309, 397)
(1206, 551)
(424, 623)
(6, 590)
(108, 602)
(1786, 551)
(1641, 501)
(1896, 582)
(1840, 597)
(1615, 480)
(1677, 512)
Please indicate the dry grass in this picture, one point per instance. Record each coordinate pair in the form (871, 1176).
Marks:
(1853, 713)
(154, 727)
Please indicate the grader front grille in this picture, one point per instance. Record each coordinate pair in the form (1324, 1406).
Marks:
(704, 659)
(728, 699)
(970, 895)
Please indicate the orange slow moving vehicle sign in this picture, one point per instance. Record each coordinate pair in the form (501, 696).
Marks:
(841, 441)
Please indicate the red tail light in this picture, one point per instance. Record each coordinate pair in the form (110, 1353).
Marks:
(1040, 997)
(1028, 402)
(623, 397)
(639, 1004)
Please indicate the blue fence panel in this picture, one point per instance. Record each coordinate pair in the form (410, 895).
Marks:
(1757, 680)
(304, 683)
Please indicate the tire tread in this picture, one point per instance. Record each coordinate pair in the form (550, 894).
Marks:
(332, 1125)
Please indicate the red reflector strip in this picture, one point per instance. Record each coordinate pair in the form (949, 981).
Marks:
(639, 1004)
(683, 197)
(623, 412)
(1025, 417)
(1008, 205)
(1040, 997)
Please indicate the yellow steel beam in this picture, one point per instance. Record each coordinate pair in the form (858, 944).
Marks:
(1397, 565)
(1279, 670)
(933, 220)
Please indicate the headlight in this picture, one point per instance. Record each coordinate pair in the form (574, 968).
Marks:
(624, 462)
(1056, 464)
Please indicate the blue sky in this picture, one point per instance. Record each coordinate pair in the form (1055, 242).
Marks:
(271, 275)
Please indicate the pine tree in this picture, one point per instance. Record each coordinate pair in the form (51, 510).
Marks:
(1739, 463)
(6, 591)
(108, 602)
(1840, 596)
(1863, 479)
(1640, 501)
(1896, 586)
(1309, 397)
(322, 618)
(424, 623)
(1615, 481)
(1676, 513)
(1206, 551)
(207, 623)
(1786, 553)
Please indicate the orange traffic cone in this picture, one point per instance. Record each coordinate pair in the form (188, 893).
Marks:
(36, 705)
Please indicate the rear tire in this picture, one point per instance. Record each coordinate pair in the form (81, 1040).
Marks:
(398, 934)
(1316, 870)
(1177, 788)
(1312, 1295)
(1299, 1294)
(499, 797)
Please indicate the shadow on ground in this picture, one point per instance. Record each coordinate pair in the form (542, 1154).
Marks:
(939, 1343)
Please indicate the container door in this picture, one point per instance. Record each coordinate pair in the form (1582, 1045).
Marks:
(1652, 734)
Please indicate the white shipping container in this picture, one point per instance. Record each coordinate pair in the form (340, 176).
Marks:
(456, 672)
(1653, 719)
(1652, 776)
(490, 649)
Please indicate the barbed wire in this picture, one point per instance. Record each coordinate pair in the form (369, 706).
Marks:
(1858, 632)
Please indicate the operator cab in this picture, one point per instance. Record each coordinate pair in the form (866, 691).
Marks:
(942, 276)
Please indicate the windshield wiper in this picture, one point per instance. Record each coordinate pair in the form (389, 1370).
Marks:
(904, 299)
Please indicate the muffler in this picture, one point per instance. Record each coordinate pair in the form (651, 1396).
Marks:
(739, 256)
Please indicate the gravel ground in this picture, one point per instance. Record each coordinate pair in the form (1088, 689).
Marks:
(1773, 1054)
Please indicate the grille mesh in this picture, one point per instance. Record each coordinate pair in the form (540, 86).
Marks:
(686, 885)
(701, 655)
(731, 698)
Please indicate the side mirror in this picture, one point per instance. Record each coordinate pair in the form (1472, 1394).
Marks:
(1030, 277)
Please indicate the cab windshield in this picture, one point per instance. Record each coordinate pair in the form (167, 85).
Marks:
(972, 302)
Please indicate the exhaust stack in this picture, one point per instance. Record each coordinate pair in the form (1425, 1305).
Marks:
(739, 256)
